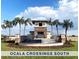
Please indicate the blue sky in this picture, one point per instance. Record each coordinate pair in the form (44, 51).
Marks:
(10, 8)
(40, 9)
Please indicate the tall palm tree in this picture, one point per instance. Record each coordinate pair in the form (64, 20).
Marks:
(19, 21)
(67, 24)
(28, 20)
(25, 23)
(8, 25)
(56, 23)
(51, 24)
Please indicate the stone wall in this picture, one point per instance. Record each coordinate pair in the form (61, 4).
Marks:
(72, 38)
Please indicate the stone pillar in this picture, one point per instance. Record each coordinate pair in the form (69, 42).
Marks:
(17, 40)
(35, 34)
(49, 35)
(45, 32)
(63, 38)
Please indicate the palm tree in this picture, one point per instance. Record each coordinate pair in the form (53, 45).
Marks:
(8, 24)
(51, 24)
(25, 23)
(3, 26)
(67, 24)
(28, 20)
(19, 21)
(56, 23)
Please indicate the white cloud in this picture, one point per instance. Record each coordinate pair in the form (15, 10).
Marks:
(35, 12)
(67, 10)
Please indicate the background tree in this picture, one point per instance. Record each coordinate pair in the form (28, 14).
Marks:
(67, 24)
(3, 26)
(8, 24)
(26, 22)
(56, 23)
(19, 21)
(51, 24)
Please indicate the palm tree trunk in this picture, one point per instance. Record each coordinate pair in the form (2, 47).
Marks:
(51, 29)
(66, 34)
(57, 30)
(9, 31)
(24, 29)
(19, 29)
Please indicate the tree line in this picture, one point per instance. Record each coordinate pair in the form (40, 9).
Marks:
(66, 24)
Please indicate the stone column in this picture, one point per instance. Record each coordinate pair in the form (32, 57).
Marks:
(48, 35)
(17, 40)
(63, 38)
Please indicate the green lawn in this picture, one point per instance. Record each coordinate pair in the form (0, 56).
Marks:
(42, 57)
(5, 47)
